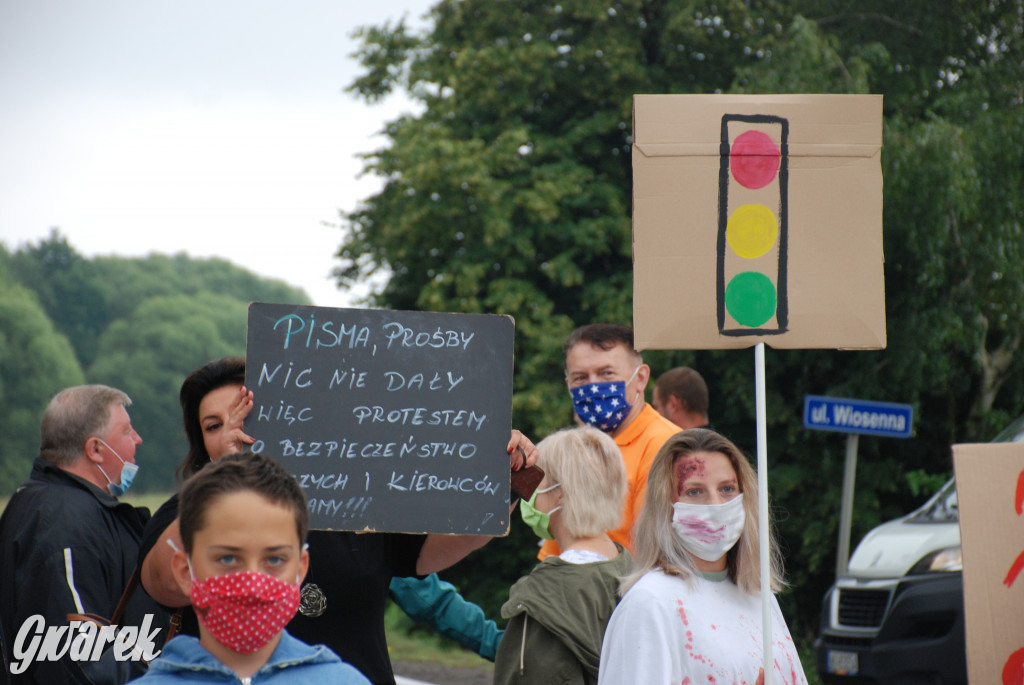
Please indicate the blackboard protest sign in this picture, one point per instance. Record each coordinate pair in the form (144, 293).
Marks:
(392, 421)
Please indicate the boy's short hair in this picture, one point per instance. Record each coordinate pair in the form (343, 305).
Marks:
(241, 472)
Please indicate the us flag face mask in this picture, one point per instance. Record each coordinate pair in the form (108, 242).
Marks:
(603, 405)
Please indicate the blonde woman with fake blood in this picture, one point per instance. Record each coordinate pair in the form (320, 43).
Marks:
(691, 609)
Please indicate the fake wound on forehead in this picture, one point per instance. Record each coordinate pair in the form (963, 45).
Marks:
(686, 467)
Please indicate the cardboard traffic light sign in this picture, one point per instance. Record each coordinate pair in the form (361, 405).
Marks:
(757, 218)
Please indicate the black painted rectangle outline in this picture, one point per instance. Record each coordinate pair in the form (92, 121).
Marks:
(782, 302)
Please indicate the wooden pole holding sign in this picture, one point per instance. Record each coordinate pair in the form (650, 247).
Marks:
(770, 208)
(762, 512)
(391, 421)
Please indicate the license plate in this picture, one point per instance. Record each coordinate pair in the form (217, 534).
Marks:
(842, 663)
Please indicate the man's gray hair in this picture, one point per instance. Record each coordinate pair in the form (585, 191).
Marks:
(73, 416)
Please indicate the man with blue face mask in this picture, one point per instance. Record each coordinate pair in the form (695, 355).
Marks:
(606, 378)
(68, 545)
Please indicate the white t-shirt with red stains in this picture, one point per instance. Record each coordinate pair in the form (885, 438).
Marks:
(670, 631)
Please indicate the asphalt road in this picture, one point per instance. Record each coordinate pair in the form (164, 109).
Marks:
(428, 673)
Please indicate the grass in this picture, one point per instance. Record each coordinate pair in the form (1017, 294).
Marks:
(150, 500)
(407, 642)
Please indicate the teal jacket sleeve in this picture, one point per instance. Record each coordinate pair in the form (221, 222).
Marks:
(438, 604)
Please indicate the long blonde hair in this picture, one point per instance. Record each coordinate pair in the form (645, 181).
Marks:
(656, 544)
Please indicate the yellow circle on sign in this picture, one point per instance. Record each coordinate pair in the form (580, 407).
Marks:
(752, 230)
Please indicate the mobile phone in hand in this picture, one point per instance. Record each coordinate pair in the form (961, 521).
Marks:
(525, 481)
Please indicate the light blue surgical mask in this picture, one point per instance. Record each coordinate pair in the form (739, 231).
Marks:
(128, 471)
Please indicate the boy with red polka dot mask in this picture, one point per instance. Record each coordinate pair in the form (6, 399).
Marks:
(243, 522)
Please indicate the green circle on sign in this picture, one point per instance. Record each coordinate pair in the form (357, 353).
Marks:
(750, 298)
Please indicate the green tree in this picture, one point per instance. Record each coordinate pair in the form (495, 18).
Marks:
(131, 281)
(83, 296)
(36, 362)
(137, 324)
(952, 83)
(510, 192)
(68, 288)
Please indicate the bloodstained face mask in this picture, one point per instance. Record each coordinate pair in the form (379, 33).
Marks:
(708, 531)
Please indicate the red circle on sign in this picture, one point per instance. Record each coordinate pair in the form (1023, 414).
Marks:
(754, 159)
(1014, 668)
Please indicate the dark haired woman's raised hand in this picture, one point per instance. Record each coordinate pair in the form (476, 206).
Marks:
(234, 438)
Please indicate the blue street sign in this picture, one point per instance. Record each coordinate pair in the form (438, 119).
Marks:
(884, 419)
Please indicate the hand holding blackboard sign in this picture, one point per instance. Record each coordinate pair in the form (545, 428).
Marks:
(391, 421)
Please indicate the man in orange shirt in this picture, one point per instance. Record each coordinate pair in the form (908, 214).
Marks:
(606, 378)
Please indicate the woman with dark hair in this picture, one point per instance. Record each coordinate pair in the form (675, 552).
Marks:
(691, 608)
(227, 373)
(214, 402)
(346, 589)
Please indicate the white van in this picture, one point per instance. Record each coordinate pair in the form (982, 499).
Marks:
(896, 616)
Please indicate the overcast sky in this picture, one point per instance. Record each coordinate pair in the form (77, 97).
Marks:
(214, 127)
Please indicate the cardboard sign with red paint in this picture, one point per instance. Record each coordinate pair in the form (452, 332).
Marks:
(990, 493)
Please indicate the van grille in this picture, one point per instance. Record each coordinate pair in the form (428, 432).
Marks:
(862, 608)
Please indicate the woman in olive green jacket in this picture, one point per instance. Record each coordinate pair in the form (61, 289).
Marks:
(557, 614)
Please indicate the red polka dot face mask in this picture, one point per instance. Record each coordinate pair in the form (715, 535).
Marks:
(243, 611)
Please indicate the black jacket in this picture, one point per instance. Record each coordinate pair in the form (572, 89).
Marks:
(67, 547)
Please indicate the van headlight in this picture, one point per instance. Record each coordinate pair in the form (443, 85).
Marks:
(949, 559)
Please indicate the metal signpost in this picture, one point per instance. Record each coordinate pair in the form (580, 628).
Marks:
(854, 417)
